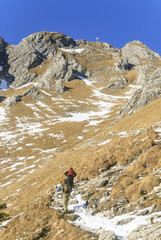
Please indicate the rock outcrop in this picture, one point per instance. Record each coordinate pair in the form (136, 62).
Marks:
(33, 51)
(148, 92)
(136, 51)
(61, 69)
(3, 46)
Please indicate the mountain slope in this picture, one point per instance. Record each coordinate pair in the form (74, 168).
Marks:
(82, 104)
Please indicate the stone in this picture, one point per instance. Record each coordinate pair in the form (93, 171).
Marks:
(125, 221)
(123, 64)
(34, 93)
(13, 100)
(152, 208)
(101, 182)
(108, 214)
(119, 85)
(107, 235)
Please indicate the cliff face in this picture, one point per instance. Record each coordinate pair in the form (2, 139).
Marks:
(87, 105)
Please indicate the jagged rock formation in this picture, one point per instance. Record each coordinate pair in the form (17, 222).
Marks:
(36, 50)
(150, 90)
(60, 70)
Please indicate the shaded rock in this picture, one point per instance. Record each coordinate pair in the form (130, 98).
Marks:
(108, 214)
(124, 64)
(3, 56)
(3, 45)
(13, 100)
(24, 79)
(101, 182)
(34, 93)
(2, 98)
(120, 84)
(125, 221)
(143, 212)
(70, 217)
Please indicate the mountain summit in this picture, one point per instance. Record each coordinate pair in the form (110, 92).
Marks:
(87, 105)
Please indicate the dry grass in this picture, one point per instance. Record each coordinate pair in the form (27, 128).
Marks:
(48, 224)
(131, 76)
(141, 119)
(138, 178)
(158, 63)
(41, 69)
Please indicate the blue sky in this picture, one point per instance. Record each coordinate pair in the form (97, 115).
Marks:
(114, 21)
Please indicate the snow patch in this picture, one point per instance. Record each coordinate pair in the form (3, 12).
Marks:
(98, 222)
(2, 114)
(102, 143)
(79, 50)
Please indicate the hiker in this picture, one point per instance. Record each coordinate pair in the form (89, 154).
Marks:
(70, 177)
(64, 187)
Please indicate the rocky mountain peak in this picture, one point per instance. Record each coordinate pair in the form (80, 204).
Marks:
(3, 44)
(136, 51)
(59, 39)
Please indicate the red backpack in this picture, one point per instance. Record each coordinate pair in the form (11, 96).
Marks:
(71, 171)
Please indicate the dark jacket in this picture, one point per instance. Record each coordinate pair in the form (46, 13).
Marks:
(70, 176)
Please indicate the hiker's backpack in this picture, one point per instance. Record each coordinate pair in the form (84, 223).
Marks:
(66, 188)
(71, 171)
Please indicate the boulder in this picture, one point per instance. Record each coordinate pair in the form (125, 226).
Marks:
(107, 235)
(101, 182)
(119, 84)
(123, 64)
(125, 221)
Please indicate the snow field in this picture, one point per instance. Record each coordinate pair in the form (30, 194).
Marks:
(95, 223)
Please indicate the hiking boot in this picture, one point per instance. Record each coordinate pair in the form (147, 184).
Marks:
(65, 212)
